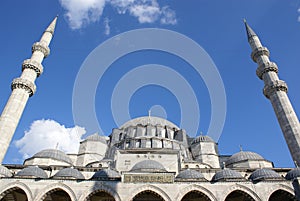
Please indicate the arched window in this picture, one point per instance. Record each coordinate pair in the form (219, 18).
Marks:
(147, 196)
(239, 195)
(15, 194)
(56, 194)
(195, 196)
(282, 195)
(100, 196)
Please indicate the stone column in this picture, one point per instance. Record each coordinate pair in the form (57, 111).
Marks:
(22, 88)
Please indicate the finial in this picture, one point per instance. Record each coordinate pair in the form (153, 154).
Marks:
(52, 25)
(201, 134)
(250, 32)
(296, 165)
(149, 116)
(56, 147)
(245, 21)
(224, 165)
(241, 147)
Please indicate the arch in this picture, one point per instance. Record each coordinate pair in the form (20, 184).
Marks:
(99, 187)
(241, 188)
(280, 194)
(150, 188)
(239, 195)
(147, 195)
(13, 186)
(54, 188)
(197, 188)
(277, 189)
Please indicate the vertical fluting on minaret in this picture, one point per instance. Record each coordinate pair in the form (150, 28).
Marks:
(276, 91)
(22, 88)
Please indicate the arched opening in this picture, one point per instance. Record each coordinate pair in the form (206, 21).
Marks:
(147, 196)
(195, 196)
(15, 194)
(239, 195)
(56, 195)
(282, 195)
(100, 196)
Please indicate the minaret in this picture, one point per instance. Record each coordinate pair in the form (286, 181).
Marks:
(22, 88)
(276, 91)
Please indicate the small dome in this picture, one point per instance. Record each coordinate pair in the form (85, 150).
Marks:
(32, 172)
(190, 175)
(264, 174)
(96, 137)
(202, 138)
(106, 174)
(53, 154)
(293, 174)
(148, 166)
(227, 175)
(243, 156)
(69, 173)
(4, 172)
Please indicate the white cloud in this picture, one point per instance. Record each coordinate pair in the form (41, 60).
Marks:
(106, 26)
(82, 12)
(47, 134)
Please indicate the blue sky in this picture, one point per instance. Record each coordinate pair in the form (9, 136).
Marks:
(216, 26)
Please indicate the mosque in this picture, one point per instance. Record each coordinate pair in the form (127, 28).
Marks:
(148, 158)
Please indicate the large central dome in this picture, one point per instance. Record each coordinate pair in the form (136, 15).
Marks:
(149, 120)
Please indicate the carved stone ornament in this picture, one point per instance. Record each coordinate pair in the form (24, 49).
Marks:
(266, 67)
(259, 52)
(38, 46)
(31, 64)
(274, 87)
(20, 83)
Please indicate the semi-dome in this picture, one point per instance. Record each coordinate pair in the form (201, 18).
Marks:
(152, 121)
(227, 175)
(69, 173)
(53, 154)
(148, 166)
(293, 174)
(243, 156)
(32, 172)
(264, 174)
(202, 138)
(106, 174)
(4, 172)
(189, 174)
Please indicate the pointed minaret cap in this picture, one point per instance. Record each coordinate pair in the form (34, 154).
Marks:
(250, 32)
(52, 25)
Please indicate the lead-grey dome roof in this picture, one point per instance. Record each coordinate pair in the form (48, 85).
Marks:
(4, 172)
(202, 138)
(70, 173)
(53, 154)
(293, 174)
(189, 174)
(96, 137)
(227, 175)
(146, 120)
(32, 172)
(243, 156)
(106, 174)
(264, 174)
(148, 166)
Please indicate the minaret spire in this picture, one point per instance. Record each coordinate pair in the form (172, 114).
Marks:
(276, 91)
(22, 88)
